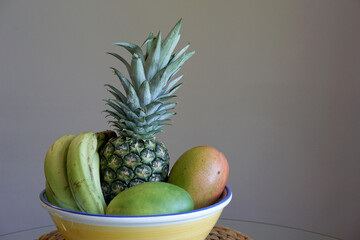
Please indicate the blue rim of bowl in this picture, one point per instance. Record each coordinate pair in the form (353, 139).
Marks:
(228, 196)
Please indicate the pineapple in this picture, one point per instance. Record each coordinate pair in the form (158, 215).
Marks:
(135, 156)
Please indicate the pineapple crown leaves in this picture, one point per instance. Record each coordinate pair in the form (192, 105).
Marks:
(143, 109)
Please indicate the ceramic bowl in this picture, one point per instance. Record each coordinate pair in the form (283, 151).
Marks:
(192, 225)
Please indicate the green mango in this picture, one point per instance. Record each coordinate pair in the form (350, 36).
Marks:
(151, 198)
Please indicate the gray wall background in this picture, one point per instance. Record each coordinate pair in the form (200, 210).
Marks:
(274, 85)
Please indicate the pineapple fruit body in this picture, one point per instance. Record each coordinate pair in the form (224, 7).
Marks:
(126, 162)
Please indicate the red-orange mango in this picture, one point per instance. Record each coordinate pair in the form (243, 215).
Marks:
(202, 171)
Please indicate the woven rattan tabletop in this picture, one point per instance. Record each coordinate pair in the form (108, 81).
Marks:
(217, 233)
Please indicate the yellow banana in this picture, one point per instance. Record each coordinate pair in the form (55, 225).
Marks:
(83, 169)
(56, 173)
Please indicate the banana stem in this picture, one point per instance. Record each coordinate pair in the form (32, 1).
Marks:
(103, 137)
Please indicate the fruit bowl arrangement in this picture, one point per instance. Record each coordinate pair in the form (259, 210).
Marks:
(118, 184)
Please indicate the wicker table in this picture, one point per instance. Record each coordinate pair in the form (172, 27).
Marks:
(255, 230)
(217, 233)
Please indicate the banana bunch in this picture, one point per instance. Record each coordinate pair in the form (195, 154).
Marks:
(72, 172)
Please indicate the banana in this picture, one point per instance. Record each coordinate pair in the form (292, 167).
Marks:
(56, 173)
(50, 195)
(83, 169)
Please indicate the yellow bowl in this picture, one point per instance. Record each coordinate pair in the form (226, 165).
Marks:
(192, 225)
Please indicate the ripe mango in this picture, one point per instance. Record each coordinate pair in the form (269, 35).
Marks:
(202, 171)
(151, 198)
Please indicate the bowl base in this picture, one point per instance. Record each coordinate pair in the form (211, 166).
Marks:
(218, 232)
(193, 230)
